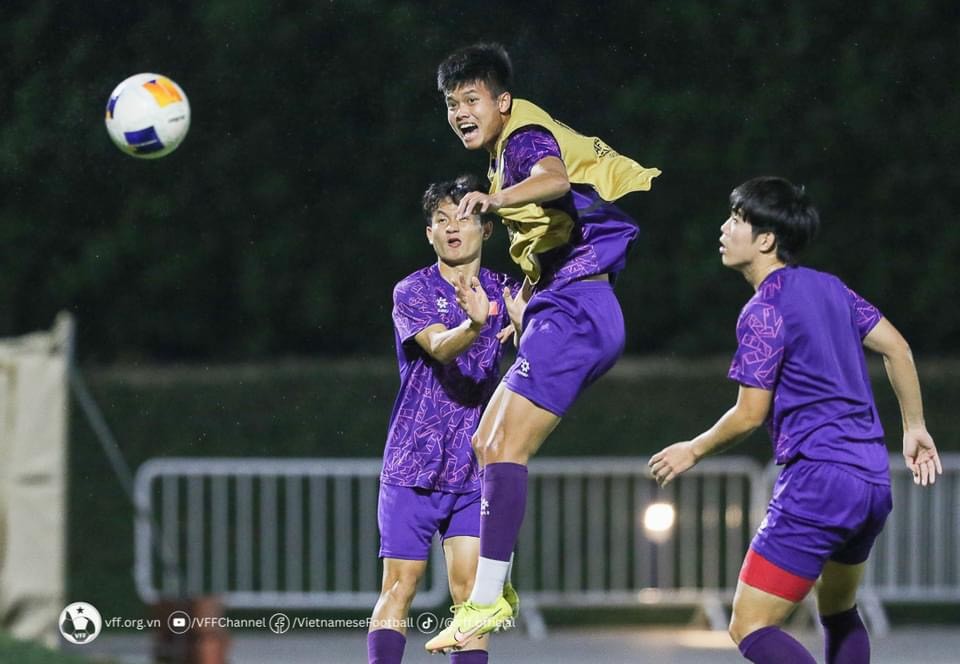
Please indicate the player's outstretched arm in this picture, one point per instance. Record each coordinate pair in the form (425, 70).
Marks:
(547, 181)
(919, 450)
(747, 414)
(446, 344)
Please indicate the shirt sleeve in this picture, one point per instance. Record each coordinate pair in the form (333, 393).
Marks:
(413, 310)
(865, 314)
(525, 148)
(760, 346)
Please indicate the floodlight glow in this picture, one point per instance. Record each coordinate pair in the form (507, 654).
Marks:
(658, 521)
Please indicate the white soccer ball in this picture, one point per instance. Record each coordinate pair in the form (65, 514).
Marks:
(148, 116)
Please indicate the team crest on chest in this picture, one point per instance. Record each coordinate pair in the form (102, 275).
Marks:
(442, 304)
(602, 149)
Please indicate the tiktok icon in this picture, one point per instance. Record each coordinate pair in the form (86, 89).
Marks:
(427, 623)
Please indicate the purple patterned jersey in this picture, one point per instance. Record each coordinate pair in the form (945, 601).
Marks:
(801, 336)
(602, 232)
(438, 407)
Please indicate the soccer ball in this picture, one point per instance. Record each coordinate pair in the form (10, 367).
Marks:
(148, 116)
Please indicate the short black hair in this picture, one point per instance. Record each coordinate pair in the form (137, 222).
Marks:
(775, 205)
(454, 190)
(480, 62)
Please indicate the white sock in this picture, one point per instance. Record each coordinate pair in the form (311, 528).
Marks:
(488, 585)
(510, 570)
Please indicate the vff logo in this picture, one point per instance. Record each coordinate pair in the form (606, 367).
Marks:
(80, 623)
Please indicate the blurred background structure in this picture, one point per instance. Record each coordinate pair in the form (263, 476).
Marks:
(233, 298)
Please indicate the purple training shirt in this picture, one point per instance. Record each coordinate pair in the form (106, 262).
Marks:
(438, 407)
(602, 232)
(801, 336)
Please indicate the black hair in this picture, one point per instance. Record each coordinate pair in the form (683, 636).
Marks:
(775, 205)
(453, 190)
(480, 62)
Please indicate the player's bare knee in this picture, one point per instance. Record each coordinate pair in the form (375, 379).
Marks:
(501, 448)
(733, 629)
(401, 587)
(739, 628)
(737, 631)
(830, 601)
(491, 449)
(478, 446)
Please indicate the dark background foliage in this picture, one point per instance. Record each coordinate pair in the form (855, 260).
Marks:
(280, 225)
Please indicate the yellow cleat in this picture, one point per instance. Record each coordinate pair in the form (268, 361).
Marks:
(472, 620)
(513, 599)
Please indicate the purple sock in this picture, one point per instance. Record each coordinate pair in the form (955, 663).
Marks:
(771, 645)
(469, 657)
(847, 640)
(501, 509)
(385, 646)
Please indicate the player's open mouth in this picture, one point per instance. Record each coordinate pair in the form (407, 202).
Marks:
(454, 243)
(468, 130)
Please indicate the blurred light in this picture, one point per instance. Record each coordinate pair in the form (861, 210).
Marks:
(734, 516)
(658, 521)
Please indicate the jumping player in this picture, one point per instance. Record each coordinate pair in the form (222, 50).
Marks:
(801, 369)
(552, 187)
(447, 318)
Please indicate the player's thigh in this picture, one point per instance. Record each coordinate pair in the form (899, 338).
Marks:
(462, 554)
(754, 609)
(488, 422)
(518, 431)
(837, 587)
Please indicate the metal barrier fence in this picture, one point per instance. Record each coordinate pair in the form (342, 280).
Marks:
(264, 533)
(302, 533)
(917, 557)
(585, 542)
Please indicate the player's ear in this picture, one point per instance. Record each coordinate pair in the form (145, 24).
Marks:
(487, 229)
(430, 234)
(504, 101)
(768, 242)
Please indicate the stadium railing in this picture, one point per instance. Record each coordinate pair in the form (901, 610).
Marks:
(264, 533)
(302, 534)
(589, 540)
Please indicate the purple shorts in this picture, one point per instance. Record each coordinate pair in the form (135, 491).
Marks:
(821, 512)
(410, 516)
(571, 337)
